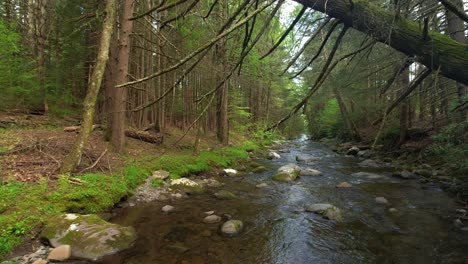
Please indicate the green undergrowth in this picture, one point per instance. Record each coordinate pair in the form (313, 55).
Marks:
(24, 207)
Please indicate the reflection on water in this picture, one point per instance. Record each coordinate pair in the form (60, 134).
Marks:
(278, 231)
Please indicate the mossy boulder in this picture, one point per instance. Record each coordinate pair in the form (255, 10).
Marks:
(328, 211)
(232, 227)
(287, 173)
(187, 186)
(89, 236)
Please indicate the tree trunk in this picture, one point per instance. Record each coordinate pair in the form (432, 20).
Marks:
(73, 158)
(117, 97)
(437, 50)
(223, 123)
(457, 32)
(403, 83)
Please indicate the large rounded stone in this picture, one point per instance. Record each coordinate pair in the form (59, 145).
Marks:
(328, 211)
(287, 173)
(212, 219)
(232, 227)
(60, 253)
(89, 236)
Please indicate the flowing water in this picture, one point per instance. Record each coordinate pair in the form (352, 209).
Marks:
(276, 230)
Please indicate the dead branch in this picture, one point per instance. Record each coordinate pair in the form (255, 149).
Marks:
(95, 163)
(200, 49)
(408, 91)
(299, 53)
(327, 37)
(286, 33)
(145, 136)
(321, 78)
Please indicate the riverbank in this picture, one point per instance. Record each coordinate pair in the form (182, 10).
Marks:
(31, 191)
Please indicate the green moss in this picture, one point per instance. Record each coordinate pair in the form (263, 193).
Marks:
(285, 177)
(225, 195)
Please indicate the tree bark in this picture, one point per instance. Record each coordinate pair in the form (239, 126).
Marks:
(73, 158)
(118, 72)
(456, 31)
(437, 50)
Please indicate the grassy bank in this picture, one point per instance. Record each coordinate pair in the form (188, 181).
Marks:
(25, 206)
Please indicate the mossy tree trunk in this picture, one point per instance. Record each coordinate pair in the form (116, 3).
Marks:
(434, 51)
(73, 158)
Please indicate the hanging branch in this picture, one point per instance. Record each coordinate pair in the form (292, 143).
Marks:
(334, 25)
(211, 9)
(286, 33)
(408, 91)
(199, 50)
(299, 53)
(262, 31)
(195, 121)
(234, 16)
(158, 8)
(179, 80)
(181, 15)
(321, 78)
(459, 13)
(407, 62)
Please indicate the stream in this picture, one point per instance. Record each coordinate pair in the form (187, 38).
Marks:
(277, 230)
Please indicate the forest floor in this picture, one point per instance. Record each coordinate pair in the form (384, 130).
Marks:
(32, 148)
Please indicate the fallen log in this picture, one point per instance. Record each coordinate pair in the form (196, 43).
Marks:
(146, 136)
(71, 129)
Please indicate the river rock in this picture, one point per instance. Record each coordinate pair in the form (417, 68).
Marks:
(212, 219)
(309, 172)
(273, 155)
(406, 175)
(353, 151)
(209, 212)
(40, 261)
(225, 195)
(232, 227)
(305, 158)
(381, 200)
(259, 169)
(364, 154)
(187, 186)
(160, 175)
(167, 208)
(392, 210)
(344, 185)
(60, 253)
(287, 173)
(372, 163)
(89, 236)
(328, 211)
(230, 172)
(261, 185)
(368, 175)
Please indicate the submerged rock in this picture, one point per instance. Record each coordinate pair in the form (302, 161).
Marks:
(225, 195)
(309, 172)
(212, 219)
(305, 158)
(392, 210)
(328, 211)
(232, 227)
(89, 236)
(344, 185)
(381, 200)
(368, 175)
(261, 185)
(287, 173)
(373, 163)
(364, 154)
(406, 175)
(168, 208)
(259, 169)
